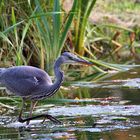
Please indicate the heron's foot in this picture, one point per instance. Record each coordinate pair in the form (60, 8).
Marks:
(51, 118)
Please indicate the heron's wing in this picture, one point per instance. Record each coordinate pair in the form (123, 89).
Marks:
(25, 79)
(22, 86)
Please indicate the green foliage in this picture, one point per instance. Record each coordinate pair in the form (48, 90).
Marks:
(127, 5)
(44, 22)
(36, 36)
(13, 33)
(52, 30)
(84, 9)
(111, 43)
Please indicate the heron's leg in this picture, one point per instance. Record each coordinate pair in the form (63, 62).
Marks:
(33, 104)
(20, 119)
(21, 111)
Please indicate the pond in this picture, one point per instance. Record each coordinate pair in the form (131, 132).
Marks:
(107, 109)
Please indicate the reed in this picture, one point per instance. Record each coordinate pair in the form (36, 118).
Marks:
(52, 29)
(84, 9)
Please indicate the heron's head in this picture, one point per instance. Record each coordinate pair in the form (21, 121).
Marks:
(71, 58)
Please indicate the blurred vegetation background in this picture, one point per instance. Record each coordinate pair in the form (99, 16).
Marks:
(36, 32)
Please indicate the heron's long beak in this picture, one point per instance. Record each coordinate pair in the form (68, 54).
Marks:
(83, 61)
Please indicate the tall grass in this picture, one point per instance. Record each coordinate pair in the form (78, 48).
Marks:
(84, 9)
(35, 31)
(11, 39)
(46, 24)
(15, 36)
(52, 30)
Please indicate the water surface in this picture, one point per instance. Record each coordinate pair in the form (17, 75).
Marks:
(107, 109)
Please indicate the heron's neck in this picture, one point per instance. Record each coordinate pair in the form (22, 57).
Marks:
(57, 83)
(58, 77)
(58, 73)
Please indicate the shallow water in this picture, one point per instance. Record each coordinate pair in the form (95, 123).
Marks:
(107, 109)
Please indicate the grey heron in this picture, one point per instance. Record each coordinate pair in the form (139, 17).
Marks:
(34, 84)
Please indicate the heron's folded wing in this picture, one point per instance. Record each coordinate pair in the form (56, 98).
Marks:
(22, 86)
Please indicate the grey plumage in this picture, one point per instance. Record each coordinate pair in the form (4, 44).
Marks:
(2, 70)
